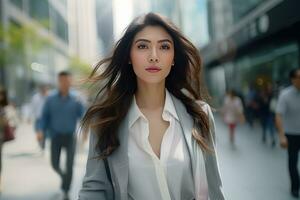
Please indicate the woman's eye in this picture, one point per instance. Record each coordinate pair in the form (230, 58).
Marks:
(142, 46)
(165, 46)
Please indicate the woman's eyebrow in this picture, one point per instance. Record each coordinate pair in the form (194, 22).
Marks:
(148, 41)
(142, 40)
(165, 40)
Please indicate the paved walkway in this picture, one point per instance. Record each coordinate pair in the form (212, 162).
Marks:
(27, 175)
(252, 170)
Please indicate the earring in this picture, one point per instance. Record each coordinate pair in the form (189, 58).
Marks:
(173, 64)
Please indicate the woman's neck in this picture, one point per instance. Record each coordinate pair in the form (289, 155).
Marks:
(150, 96)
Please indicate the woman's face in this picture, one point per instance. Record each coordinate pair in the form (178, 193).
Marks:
(152, 54)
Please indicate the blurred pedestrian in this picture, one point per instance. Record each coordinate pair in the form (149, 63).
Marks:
(60, 115)
(273, 105)
(232, 112)
(12, 115)
(251, 105)
(266, 116)
(288, 124)
(36, 107)
(3, 121)
(152, 133)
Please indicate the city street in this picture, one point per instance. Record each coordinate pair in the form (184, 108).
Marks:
(250, 170)
(57, 57)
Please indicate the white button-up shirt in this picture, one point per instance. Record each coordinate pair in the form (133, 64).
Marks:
(165, 178)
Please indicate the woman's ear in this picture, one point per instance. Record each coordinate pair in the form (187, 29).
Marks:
(173, 62)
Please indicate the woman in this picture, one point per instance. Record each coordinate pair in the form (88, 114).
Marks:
(153, 136)
(3, 120)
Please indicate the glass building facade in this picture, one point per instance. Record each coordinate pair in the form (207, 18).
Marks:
(240, 10)
(37, 47)
(260, 50)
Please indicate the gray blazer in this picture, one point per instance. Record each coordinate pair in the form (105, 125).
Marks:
(97, 186)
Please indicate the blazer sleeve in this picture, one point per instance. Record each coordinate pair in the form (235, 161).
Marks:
(96, 185)
(211, 161)
(212, 169)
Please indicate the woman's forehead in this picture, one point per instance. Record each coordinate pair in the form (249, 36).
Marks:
(153, 33)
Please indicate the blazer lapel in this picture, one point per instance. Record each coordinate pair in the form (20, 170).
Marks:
(198, 167)
(118, 163)
(186, 123)
(211, 168)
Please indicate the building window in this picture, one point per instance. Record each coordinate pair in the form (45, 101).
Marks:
(240, 10)
(270, 65)
(39, 10)
(60, 26)
(18, 3)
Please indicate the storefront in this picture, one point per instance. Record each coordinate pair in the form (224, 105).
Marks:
(259, 54)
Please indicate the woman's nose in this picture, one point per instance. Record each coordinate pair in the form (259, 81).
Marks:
(153, 59)
(153, 56)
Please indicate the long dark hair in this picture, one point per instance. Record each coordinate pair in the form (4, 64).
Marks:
(117, 82)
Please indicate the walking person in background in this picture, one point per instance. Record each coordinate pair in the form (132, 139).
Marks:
(3, 121)
(36, 107)
(232, 112)
(288, 124)
(152, 133)
(60, 115)
(251, 105)
(273, 105)
(265, 114)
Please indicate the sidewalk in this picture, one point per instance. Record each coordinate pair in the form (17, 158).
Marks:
(251, 170)
(27, 175)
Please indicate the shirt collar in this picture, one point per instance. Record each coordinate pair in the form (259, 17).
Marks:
(135, 113)
(58, 94)
(169, 106)
(72, 93)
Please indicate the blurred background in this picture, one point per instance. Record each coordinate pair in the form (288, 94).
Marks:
(248, 46)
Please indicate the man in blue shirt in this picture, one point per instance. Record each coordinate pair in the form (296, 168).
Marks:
(60, 115)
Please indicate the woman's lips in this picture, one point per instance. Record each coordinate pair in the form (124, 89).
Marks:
(153, 69)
